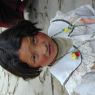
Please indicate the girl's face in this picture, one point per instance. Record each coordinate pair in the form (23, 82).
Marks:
(38, 51)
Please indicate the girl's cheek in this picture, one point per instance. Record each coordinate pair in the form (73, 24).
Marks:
(44, 61)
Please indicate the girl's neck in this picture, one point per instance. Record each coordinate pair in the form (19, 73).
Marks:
(64, 45)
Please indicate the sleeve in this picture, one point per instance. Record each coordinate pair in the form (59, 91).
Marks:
(87, 86)
(85, 11)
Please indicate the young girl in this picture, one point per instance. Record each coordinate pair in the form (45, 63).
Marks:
(24, 50)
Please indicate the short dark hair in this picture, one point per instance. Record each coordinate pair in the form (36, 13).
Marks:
(10, 41)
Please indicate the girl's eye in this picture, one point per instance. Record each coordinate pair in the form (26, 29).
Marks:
(34, 58)
(34, 40)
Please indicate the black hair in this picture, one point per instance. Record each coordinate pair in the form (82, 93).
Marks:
(10, 41)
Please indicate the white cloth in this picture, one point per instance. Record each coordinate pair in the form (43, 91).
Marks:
(79, 36)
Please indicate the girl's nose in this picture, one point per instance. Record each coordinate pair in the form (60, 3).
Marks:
(41, 48)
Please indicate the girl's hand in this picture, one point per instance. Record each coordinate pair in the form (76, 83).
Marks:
(87, 20)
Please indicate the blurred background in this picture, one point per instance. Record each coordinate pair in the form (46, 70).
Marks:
(43, 10)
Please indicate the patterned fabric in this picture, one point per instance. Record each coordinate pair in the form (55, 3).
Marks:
(82, 36)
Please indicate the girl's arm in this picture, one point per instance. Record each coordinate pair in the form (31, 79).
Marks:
(88, 20)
